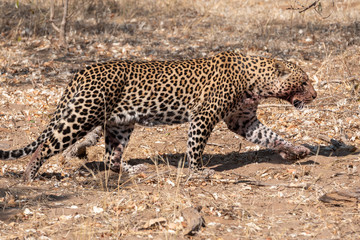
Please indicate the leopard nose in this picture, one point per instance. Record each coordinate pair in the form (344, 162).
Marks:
(314, 95)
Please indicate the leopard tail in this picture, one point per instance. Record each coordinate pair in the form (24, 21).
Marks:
(29, 149)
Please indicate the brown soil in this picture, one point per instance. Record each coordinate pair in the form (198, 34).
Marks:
(254, 194)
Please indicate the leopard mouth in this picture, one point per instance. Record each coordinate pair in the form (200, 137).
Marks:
(298, 104)
(299, 99)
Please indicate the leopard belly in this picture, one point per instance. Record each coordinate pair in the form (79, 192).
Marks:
(150, 117)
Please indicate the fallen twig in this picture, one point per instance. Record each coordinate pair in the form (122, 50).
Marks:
(215, 144)
(290, 185)
(154, 175)
(342, 198)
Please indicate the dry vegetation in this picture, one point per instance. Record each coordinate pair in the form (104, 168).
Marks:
(254, 194)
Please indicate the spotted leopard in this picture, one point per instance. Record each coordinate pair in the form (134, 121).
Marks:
(119, 94)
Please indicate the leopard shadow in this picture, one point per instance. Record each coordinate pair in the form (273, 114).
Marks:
(218, 162)
(234, 160)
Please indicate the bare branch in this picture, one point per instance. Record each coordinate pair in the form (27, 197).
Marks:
(63, 24)
(52, 16)
(316, 5)
(303, 8)
(55, 27)
(310, 6)
(52, 10)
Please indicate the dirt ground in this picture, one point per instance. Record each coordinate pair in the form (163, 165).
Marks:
(254, 194)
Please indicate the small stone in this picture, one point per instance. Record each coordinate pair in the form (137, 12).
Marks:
(194, 221)
(97, 209)
(27, 211)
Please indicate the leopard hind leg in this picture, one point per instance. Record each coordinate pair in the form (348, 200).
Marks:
(116, 140)
(70, 128)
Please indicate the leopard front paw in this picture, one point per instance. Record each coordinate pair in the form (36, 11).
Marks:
(203, 173)
(127, 168)
(134, 169)
(294, 153)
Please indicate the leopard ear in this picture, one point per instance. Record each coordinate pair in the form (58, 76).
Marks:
(281, 68)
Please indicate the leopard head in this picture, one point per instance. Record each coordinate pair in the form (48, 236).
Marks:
(292, 84)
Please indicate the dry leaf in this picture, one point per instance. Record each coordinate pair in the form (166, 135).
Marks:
(153, 222)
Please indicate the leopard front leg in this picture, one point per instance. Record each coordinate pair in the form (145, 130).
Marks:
(199, 132)
(246, 124)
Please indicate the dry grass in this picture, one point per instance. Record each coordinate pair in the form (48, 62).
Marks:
(253, 195)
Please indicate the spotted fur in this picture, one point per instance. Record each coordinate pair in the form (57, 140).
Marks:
(119, 94)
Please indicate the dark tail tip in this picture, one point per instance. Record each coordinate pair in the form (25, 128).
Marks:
(4, 154)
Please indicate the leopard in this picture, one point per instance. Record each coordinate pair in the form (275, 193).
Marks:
(119, 94)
